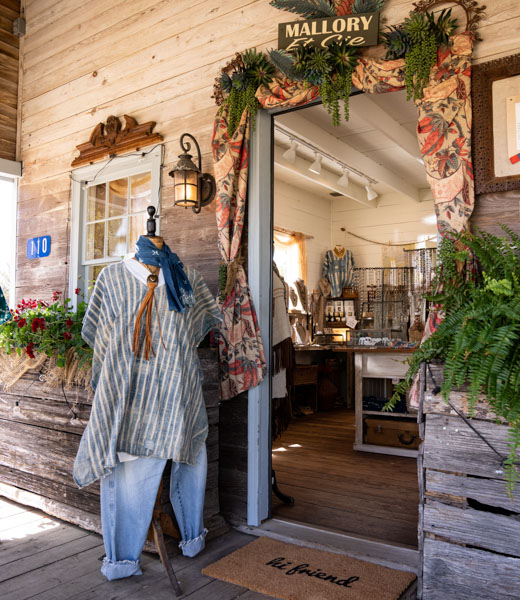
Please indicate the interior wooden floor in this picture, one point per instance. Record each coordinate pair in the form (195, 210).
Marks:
(359, 493)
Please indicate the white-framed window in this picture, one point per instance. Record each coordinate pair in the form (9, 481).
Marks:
(109, 203)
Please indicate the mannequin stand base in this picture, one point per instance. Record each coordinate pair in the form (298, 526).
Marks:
(163, 555)
(278, 493)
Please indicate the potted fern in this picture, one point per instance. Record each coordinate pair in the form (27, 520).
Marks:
(478, 340)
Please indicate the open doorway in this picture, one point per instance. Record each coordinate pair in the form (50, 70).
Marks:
(354, 234)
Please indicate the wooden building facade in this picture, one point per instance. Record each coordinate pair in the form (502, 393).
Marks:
(155, 60)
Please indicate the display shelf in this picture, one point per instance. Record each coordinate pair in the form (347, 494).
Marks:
(386, 450)
(380, 413)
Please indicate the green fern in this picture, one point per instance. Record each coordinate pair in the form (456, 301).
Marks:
(310, 9)
(479, 338)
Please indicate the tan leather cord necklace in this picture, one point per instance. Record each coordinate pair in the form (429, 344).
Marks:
(147, 305)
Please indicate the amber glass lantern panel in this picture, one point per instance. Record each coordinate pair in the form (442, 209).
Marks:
(186, 185)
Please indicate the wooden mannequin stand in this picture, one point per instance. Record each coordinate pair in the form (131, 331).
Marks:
(156, 531)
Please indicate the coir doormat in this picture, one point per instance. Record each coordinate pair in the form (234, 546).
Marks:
(296, 573)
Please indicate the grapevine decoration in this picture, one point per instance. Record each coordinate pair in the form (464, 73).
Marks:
(417, 40)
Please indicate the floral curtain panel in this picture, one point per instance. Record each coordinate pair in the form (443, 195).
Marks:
(241, 354)
(444, 133)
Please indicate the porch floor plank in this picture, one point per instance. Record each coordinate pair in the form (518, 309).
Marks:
(44, 558)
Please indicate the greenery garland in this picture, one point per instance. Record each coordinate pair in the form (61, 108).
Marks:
(417, 40)
(479, 338)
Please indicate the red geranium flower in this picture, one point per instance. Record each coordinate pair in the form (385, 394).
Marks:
(29, 350)
(38, 323)
(56, 295)
(77, 291)
(22, 323)
(69, 323)
(67, 335)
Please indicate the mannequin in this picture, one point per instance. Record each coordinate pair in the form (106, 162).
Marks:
(144, 322)
(338, 268)
(339, 250)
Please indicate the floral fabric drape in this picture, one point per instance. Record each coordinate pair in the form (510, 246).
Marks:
(241, 354)
(444, 133)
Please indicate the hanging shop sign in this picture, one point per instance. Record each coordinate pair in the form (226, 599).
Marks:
(39, 247)
(355, 30)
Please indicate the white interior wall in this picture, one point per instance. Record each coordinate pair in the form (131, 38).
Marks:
(396, 219)
(298, 210)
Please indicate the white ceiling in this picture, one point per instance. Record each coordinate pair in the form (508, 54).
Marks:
(379, 140)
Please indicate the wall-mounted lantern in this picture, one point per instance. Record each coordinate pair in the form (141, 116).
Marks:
(191, 186)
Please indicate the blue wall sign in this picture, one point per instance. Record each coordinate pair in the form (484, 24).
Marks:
(39, 247)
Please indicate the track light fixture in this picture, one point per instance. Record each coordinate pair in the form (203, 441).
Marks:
(290, 154)
(316, 165)
(343, 181)
(371, 193)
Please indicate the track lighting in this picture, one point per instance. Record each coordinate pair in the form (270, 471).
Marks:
(290, 154)
(316, 165)
(371, 193)
(343, 181)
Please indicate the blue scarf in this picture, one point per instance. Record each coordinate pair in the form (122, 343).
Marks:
(178, 287)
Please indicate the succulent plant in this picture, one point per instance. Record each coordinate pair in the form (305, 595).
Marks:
(239, 80)
(445, 26)
(418, 26)
(343, 57)
(396, 42)
(251, 58)
(261, 73)
(225, 83)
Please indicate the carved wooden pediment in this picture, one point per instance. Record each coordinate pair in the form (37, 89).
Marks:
(110, 138)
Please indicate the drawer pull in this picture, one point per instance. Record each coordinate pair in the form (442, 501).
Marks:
(408, 442)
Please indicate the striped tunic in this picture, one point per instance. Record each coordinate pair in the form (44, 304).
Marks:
(339, 271)
(144, 408)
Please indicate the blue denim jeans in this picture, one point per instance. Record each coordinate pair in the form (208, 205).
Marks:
(128, 496)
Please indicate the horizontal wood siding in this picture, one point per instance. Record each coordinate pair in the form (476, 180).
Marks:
(155, 60)
(39, 440)
(470, 527)
(456, 572)
(9, 56)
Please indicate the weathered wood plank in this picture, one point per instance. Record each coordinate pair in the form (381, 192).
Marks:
(476, 528)
(49, 576)
(485, 491)
(51, 555)
(455, 572)
(452, 446)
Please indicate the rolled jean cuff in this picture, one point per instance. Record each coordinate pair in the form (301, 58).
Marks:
(194, 546)
(121, 568)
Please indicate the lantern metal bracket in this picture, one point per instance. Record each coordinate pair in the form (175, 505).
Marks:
(206, 181)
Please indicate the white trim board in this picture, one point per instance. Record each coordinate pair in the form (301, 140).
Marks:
(10, 168)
